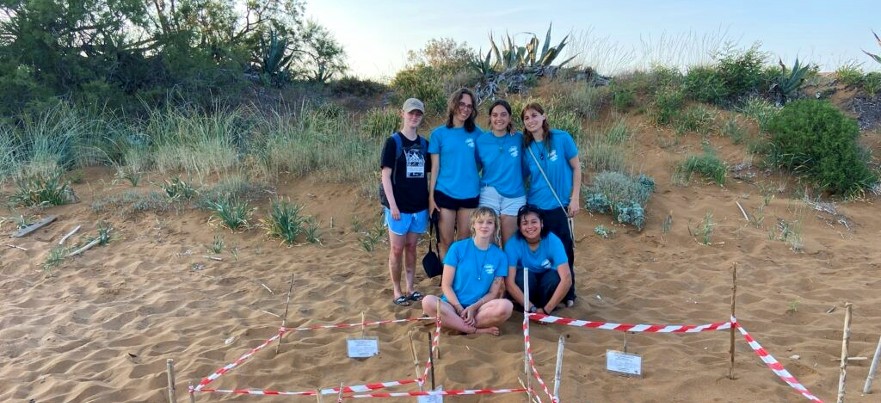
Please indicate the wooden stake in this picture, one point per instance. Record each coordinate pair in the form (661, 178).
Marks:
(526, 303)
(284, 320)
(169, 371)
(339, 398)
(363, 324)
(733, 301)
(558, 372)
(415, 360)
(16, 247)
(874, 367)
(746, 217)
(192, 394)
(431, 361)
(845, 341)
(438, 320)
(69, 234)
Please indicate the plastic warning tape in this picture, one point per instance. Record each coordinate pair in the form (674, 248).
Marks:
(435, 342)
(528, 347)
(328, 391)
(773, 364)
(626, 327)
(440, 393)
(230, 366)
(348, 325)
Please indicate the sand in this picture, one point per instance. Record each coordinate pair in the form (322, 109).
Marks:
(100, 327)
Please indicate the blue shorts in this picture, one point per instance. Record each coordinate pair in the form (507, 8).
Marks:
(490, 197)
(409, 222)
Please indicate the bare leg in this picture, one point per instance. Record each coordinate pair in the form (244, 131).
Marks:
(410, 241)
(463, 223)
(494, 313)
(396, 250)
(447, 227)
(451, 320)
(509, 227)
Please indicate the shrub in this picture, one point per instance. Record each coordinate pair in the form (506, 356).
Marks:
(759, 110)
(285, 221)
(421, 82)
(357, 87)
(232, 212)
(177, 189)
(742, 71)
(582, 99)
(622, 195)
(814, 138)
(667, 105)
(698, 119)
(380, 123)
(42, 190)
(704, 84)
(568, 122)
(623, 98)
(850, 75)
(872, 83)
(733, 130)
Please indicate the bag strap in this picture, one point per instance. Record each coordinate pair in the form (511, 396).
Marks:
(554, 192)
(433, 233)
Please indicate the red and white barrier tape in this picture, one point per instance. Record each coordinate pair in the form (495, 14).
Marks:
(529, 358)
(435, 342)
(259, 392)
(773, 364)
(626, 327)
(440, 393)
(348, 325)
(230, 366)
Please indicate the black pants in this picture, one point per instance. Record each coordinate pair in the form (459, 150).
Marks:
(557, 222)
(541, 286)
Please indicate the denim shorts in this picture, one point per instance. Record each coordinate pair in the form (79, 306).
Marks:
(490, 197)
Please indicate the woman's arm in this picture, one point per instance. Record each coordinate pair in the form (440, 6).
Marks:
(389, 193)
(432, 182)
(575, 197)
(562, 288)
(447, 287)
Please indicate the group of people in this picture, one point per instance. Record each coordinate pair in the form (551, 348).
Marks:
(503, 200)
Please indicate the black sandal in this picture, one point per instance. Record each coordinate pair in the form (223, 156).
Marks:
(402, 301)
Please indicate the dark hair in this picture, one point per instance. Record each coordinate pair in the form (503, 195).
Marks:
(530, 209)
(528, 137)
(507, 107)
(453, 106)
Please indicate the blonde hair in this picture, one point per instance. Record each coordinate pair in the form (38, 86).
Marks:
(484, 211)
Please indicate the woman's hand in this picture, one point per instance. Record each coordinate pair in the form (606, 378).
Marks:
(469, 315)
(574, 208)
(396, 212)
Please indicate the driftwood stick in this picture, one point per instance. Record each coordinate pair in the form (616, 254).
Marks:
(415, 360)
(431, 361)
(69, 234)
(217, 258)
(169, 371)
(16, 247)
(85, 248)
(558, 372)
(284, 320)
(33, 227)
(733, 299)
(746, 217)
(874, 367)
(845, 341)
(526, 303)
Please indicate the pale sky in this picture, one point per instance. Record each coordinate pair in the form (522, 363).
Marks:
(608, 35)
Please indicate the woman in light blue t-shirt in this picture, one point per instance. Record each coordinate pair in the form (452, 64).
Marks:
(454, 187)
(474, 271)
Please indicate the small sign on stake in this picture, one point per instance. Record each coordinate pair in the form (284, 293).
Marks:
(362, 347)
(624, 363)
(431, 399)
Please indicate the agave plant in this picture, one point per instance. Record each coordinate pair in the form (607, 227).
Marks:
(787, 85)
(527, 56)
(872, 55)
(274, 60)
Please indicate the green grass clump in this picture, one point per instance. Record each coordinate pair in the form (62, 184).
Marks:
(54, 259)
(667, 105)
(607, 149)
(177, 189)
(698, 119)
(759, 110)
(621, 195)
(131, 202)
(381, 123)
(582, 99)
(232, 212)
(38, 189)
(733, 130)
(285, 221)
(850, 75)
(872, 83)
(707, 165)
(814, 138)
(568, 122)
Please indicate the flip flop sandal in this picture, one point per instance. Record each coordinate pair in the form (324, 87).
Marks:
(416, 296)
(402, 301)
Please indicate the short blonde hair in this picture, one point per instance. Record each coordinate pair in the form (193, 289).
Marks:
(484, 211)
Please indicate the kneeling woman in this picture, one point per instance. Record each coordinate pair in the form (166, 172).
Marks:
(543, 254)
(474, 270)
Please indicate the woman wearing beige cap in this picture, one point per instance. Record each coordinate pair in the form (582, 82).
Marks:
(405, 169)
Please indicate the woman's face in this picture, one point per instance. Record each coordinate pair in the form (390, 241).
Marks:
(530, 227)
(484, 226)
(499, 118)
(533, 120)
(412, 119)
(464, 108)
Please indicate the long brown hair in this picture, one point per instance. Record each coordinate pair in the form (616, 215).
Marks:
(528, 137)
(453, 106)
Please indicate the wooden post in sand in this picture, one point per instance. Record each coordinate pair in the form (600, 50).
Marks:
(169, 372)
(192, 394)
(845, 341)
(733, 299)
(431, 361)
(526, 304)
(415, 360)
(874, 367)
(558, 372)
(284, 320)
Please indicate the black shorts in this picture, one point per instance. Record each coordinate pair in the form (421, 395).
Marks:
(452, 203)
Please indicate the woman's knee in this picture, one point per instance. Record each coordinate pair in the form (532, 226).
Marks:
(429, 305)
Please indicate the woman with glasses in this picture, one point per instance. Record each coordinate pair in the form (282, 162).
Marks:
(542, 255)
(551, 159)
(500, 152)
(454, 185)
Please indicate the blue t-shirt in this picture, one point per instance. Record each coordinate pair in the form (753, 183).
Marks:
(475, 269)
(455, 148)
(555, 162)
(502, 159)
(549, 255)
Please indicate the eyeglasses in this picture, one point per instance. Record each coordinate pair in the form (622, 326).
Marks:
(463, 105)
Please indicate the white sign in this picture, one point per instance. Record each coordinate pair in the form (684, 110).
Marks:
(623, 363)
(362, 347)
(431, 399)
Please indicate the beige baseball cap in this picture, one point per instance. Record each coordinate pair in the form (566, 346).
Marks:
(412, 104)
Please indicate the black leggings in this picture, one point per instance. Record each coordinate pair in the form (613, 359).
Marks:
(557, 222)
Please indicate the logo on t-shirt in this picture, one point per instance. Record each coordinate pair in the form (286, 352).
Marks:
(552, 155)
(469, 143)
(514, 151)
(546, 264)
(415, 162)
(489, 268)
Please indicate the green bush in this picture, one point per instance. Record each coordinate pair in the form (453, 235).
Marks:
(815, 139)
(872, 83)
(582, 99)
(622, 98)
(697, 119)
(380, 123)
(707, 165)
(667, 105)
(357, 87)
(422, 82)
(704, 84)
(285, 221)
(568, 122)
(42, 190)
(759, 110)
(742, 71)
(850, 75)
(621, 195)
